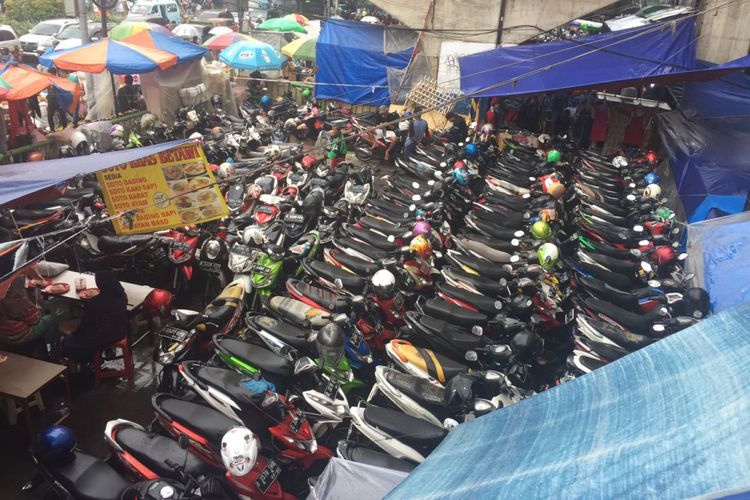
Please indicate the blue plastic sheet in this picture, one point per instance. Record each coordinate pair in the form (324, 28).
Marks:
(669, 421)
(353, 64)
(725, 97)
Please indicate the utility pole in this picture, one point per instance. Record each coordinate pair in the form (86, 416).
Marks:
(83, 25)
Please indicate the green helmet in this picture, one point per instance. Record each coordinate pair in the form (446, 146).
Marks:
(548, 255)
(541, 230)
(664, 214)
(306, 94)
(553, 156)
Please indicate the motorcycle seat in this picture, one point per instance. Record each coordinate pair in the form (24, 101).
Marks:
(429, 361)
(320, 296)
(383, 226)
(484, 250)
(260, 357)
(507, 200)
(452, 313)
(89, 478)
(351, 282)
(206, 421)
(299, 312)
(234, 119)
(152, 450)
(484, 304)
(361, 247)
(502, 233)
(404, 216)
(416, 388)
(449, 337)
(415, 432)
(32, 215)
(113, 244)
(287, 332)
(359, 266)
(637, 323)
(349, 450)
(628, 340)
(501, 217)
(372, 238)
(484, 285)
(500, 244)
(485, 268)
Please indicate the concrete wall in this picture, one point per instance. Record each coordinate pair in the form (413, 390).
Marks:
(724, 33)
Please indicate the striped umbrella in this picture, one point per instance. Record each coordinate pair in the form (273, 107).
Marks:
(221, 42)
(184, 50)
(302, 48)
(120, 58)
(130, 28)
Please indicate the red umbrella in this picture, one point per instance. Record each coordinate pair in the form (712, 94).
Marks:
(221, 42)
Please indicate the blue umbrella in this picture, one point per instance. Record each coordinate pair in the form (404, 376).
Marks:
(251, 55)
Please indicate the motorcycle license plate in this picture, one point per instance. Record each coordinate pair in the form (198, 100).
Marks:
(332, 387)
(356, 338)
(179, 245)
(268, 476)
(295, 218)
(260, 269)
(211, 267)
(174, 333)
(569, 316)
(242, 250)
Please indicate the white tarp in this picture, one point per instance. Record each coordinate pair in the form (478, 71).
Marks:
(449, 74)
(345, 480)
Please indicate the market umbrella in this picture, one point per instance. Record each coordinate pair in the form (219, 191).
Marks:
(185, 51)
(119, 58)
(221, 42)
(281, 24)
(220, 30)
(252, 56)
(298, 18)
(24, 82)
(130, 28)
(4, 87)
(302, 48)
(188, 31)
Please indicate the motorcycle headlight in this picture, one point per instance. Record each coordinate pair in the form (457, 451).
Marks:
(213, 249)
(239, 263)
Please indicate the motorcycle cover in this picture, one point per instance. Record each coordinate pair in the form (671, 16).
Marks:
(343, 480)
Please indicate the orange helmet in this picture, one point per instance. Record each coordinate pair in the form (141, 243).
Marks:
(556, 190)
(36, 156)
(421, 246)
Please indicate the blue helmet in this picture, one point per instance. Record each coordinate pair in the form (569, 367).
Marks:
(471, 150)
(265, 101)
(56, 441)
(461, 174)
(651, 178)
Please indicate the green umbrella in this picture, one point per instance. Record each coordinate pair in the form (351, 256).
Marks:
(302, 48)
(281, 24)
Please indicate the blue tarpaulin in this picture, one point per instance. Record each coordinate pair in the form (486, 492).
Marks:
(353, 63)
(669, 421)
(653, 53)
(20, 179)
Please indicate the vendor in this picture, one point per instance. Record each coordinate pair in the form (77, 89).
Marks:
(127, 96)
(459, 129)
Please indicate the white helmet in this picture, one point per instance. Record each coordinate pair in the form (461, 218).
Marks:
(226, 170)
(239, 451)
(117, 131)
(619, 162)
(253, 235)
(196, 136)
(148, 121)
(544, 138)
(403, 126)
(384, 284)
(652, 191)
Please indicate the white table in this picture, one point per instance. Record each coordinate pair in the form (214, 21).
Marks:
(136, 293)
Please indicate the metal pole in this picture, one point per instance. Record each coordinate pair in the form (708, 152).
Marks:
(105, 33)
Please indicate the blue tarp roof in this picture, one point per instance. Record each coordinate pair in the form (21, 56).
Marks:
(20, 179)
(669, 421)
(656, 52)
(351, 58)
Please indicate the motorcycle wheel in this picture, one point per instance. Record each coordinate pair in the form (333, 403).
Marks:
(363, 153)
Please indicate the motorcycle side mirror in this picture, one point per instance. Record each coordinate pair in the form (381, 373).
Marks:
(630, 197)
(416, 197)
(270, 399)
(515, 258)
(658, 328)
(304, 365)
(682, 256)
(654, 283)
(638, 228)
(338, 283)
(471, 356)
(483, 406)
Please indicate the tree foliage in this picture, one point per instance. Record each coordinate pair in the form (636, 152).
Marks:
(22, 15)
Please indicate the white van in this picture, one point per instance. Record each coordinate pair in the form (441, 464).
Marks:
(168, 9)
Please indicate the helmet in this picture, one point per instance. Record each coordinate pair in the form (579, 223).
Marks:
(239, 451)
(651, 157)
(79, 142)
(308, 162)
(652, 191)
(541, 230)
(148, 121)
(196, 136)
(471, 150)
(525, 342)
(307, 94)
(619, 162)
(548, 214)
(548, 255)
(421, 228)
(553, 156)
(543, 138)
(56, 442)
(226, 170)
(521, 305)
(117, 131)
(158, 303)
(459, 164)
(403, 126)
(461, 175)
(36, 156)
(384, 284)
(330, 343)
(265, 101)
(663, 255)
(696, 302)
(556, 190)
(252, 235)
(651, 178)
(421, 246)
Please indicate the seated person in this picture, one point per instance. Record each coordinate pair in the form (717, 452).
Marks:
(459, 129)
(23, 327)
(105, 320)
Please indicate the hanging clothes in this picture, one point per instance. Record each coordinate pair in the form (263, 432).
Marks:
(599, 126)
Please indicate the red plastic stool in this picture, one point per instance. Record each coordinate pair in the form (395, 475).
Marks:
(127, 356)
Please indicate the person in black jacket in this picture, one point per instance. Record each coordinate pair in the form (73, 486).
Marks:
(105, 320)
(459, 129)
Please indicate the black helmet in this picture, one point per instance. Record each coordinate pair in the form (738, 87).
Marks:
(696, 303)
(312, 203)
(522, 306)
(524, 343)
(330, 343)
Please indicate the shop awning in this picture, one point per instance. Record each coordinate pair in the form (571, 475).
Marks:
(20, 179)
(658, 52)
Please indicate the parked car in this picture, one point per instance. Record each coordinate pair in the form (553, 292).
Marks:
(168, 9)
(71, 32)
(42, 33)
(8, 37)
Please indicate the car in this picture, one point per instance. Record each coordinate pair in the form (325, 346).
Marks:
(42, 33)
(168, 9)
(8, 37)
(71, 32)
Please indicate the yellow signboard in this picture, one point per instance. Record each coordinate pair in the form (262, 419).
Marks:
(165, 190)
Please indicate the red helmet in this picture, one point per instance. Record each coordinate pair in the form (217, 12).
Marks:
(664, 255)
(157, 303)
(214, 168)
(36, 156)
(459, 164)
(308, 162)
(651, 157)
